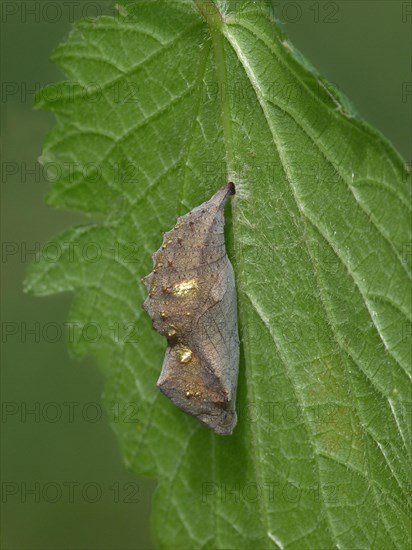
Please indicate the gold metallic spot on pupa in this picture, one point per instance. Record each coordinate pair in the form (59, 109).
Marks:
(185, 289)
(184, 353)
(165, 244)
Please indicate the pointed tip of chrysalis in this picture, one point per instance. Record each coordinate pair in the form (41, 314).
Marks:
(220, 197)
(231, 190)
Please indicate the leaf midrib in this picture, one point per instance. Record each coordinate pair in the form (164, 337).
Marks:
(217, 37)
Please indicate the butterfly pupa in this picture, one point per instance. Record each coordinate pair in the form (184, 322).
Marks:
(192, 302)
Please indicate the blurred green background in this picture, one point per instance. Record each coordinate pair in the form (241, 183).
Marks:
(361, 46)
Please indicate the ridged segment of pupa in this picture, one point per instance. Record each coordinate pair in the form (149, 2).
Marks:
(192, 302)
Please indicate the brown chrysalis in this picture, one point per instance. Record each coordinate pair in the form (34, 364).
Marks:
(192, 301)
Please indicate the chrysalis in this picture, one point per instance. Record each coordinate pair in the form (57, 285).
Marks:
(192, 301)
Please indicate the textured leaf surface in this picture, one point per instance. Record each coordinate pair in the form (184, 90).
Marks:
(187, 96)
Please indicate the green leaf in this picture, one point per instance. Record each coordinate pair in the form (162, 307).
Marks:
(187, 95)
